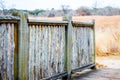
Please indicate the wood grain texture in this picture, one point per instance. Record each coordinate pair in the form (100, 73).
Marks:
(7, 51)
(46, 51)
(82, 46)
(23, 48)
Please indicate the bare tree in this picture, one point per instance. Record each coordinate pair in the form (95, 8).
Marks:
(2, 6)
(95, 4)
(65, 9)
(52, 13)
(83, 11)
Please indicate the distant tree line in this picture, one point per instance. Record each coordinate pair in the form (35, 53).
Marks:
(106, 11)
(82, 11)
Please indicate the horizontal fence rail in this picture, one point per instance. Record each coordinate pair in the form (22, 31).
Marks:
(40, 50)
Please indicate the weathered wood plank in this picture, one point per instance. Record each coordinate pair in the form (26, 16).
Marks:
(15, 51)
(74, 51)
(79, 45)
(7, 51)
(10, 51)
(92, 45)
(41, 51)
(31, 53)
(3, 51)
(63, 48)
(69, 48)
(54, 51)
(87, 45)
(45, 52)
(23, 48)
(49, 51)
(30, 44)
(38, 52)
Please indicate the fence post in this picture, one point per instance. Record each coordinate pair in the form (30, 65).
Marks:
(94, 47)
(69, 46)
(23, 48)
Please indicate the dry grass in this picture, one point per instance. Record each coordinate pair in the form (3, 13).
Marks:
(98, 65)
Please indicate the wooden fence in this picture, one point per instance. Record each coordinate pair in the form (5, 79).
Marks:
(8, 51)
(46, 49)
(34, 50)
(82, 45)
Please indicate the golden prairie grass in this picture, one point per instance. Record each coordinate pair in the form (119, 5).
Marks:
(108, 42)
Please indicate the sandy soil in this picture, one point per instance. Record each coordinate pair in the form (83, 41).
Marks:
(109, 61)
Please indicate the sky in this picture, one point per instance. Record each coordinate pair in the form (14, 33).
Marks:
(56, 4)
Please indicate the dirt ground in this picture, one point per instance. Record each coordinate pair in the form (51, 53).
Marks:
(110, 70)
(109, 61)
(99, 74)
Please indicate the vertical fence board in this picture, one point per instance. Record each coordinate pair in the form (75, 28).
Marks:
(78, 56)
(39, 51)
(63, 46)
(3, 51)
(41, 43)
(50, 50)
(49, 41)
(57, 45)
(73, 55)
(92, 44)
(15, 51)
(45, 51)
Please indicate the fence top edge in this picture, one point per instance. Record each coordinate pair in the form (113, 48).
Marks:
(9, 19)
(47, 21)
(83, 24)
(89, 23)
